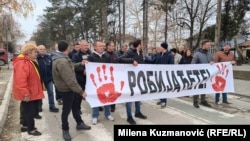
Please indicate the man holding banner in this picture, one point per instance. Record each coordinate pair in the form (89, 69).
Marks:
(133, 55)
(223, 56)
(202, 56)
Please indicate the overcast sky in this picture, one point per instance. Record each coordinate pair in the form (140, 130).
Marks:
(29, 24)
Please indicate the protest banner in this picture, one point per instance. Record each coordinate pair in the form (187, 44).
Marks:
(119, 83)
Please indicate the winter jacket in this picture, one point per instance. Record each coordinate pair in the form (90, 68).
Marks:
(202, 57)
(63, 73)
(26, 79)
(96, 57)
(221, 56)
(164, 58)
(79, 70)
(45, 65)
(186, 59)
(130, 56)
(112, 57)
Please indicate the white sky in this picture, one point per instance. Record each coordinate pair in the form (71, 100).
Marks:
(29, 24)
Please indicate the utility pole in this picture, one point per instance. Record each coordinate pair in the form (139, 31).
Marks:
(218, 26)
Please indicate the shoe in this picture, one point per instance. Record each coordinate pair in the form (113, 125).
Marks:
(66, 135)
(100, 108)
(59, 102)
(140, 115)
(34, 133)
(54, 109)
(163, 105)
(94, 121)
(216, 103)
(205, 103)
(131, 121)
(38, 117)
(158, 103)
(112, 110)
(227, 102)
(82, 126)
(23, 129)
(110, 118)
(196, 105)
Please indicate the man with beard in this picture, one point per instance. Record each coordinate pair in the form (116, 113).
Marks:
(202, 56)
(224, 56)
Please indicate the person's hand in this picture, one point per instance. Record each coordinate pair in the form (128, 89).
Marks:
(233, 62)
(135, 63)
(84, 72)
(211, 62)
(26, 98)
(84, 95)
(84, 62)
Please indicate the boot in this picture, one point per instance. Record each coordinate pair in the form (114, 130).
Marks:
(66, 135)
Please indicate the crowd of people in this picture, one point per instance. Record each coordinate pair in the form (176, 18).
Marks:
(64, 70)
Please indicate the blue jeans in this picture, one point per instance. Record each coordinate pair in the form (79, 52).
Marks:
(224, 97)
(49, 88)
(95, 111)
(129, 108)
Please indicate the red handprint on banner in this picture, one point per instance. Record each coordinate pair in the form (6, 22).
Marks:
(106, 91)
(219, 83)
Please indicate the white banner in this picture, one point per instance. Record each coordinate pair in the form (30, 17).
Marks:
(118, 83)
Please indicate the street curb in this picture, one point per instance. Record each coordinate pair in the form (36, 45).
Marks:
(5, 103)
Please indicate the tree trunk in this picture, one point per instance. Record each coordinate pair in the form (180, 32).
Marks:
(218, 26)
(145, 26)
(123, 26)
(105, 22)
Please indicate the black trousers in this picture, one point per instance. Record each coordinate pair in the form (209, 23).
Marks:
(58, 95)
(28, 111)
(70, 102)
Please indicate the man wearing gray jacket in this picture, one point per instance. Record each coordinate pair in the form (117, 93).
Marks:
(202, 56)
(65, 81)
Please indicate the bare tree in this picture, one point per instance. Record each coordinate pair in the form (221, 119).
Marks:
(198, 13)
(156, 26)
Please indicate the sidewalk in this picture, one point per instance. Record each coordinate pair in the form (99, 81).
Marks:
(242, 87)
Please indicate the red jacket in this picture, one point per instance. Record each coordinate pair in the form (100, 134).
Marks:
(26, 79)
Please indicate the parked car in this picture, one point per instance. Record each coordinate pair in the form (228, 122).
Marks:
(3, 57)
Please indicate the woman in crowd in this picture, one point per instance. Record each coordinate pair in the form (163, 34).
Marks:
(27, 86)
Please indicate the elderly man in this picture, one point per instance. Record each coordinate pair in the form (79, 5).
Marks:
(45, 66)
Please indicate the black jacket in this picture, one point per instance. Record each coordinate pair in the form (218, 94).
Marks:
(101, 58)
(113, 56)
(80, 76)
(130, 56)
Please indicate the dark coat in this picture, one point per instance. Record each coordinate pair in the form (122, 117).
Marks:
(186, 59)
(113, 56)
(164, 58)
(130, 56)
(80, 76)
(95, 57)
(45, 66)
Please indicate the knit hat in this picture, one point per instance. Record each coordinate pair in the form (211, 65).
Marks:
(164, 45)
